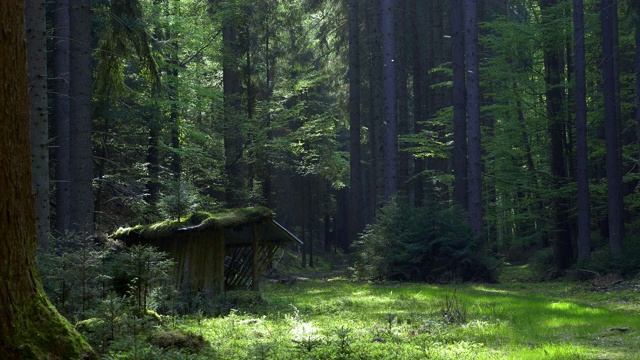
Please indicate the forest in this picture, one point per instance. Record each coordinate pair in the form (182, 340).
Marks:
(438, 169)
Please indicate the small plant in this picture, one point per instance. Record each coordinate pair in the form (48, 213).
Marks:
(453, 311)
(180, 199)
(343, 341)
(303, 334)
(306, 337)
(390, 318)
(261, 350)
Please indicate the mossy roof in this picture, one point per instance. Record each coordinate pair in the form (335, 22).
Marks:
(199, 221)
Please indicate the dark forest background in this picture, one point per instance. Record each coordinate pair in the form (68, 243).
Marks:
(511, 125)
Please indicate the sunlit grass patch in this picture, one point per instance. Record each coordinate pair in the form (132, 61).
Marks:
(348, 320)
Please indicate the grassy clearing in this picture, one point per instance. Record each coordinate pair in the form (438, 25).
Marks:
(339, 319)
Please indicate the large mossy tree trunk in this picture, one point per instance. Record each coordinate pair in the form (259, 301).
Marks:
(30, 327)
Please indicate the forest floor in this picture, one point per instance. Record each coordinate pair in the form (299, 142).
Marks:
(324, 314)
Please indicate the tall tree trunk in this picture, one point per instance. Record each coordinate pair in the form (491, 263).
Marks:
(612, 130)
(30, 327)
(233, 138)
(81, 157)
(328, 239)
(459, 105)
(420, 93)
(584, 231)
(304, 217)
(174, 120)
(376, 110)
(402, 47)
(473, 116)
(355, 157)
(266, 164)
(39, 136)
(436, 98)
(553, 50)
(60, 114)
(153, 161)
(389, 100)
(637, 64)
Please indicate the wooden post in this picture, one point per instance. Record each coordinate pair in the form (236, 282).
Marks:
(255, 263)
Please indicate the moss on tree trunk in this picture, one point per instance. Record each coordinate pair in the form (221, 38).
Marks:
(30, 327)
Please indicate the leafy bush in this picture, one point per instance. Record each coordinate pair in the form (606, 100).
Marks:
(421, 244)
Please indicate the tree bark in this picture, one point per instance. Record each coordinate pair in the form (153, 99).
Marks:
(30, 327)
(612, 131)
(402, 48)
(233, 139)
(582, 166)
(376, 110)
(436, 98)
(459, 105)
(37, 61)
(60, 114)
(174, 116)
(389, 100)
(473, 116)
(553, 50)
(355, 157)
(637, 64)
(420, 93)
(81, 156)
(153, 162)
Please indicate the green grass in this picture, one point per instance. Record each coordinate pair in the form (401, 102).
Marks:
(324, 319)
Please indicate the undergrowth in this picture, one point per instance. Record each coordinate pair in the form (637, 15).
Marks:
(318, 319)
(323, 317)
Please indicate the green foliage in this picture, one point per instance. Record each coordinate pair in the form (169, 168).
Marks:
(421, 244)
(73, 273)
(107, 289)
(149, 270)
(180, 199)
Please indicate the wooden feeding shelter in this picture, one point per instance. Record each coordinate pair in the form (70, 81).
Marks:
(216, 252)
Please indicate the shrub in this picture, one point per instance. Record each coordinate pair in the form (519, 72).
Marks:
(421, 244)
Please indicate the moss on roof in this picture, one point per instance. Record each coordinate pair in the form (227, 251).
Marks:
(199, 221)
